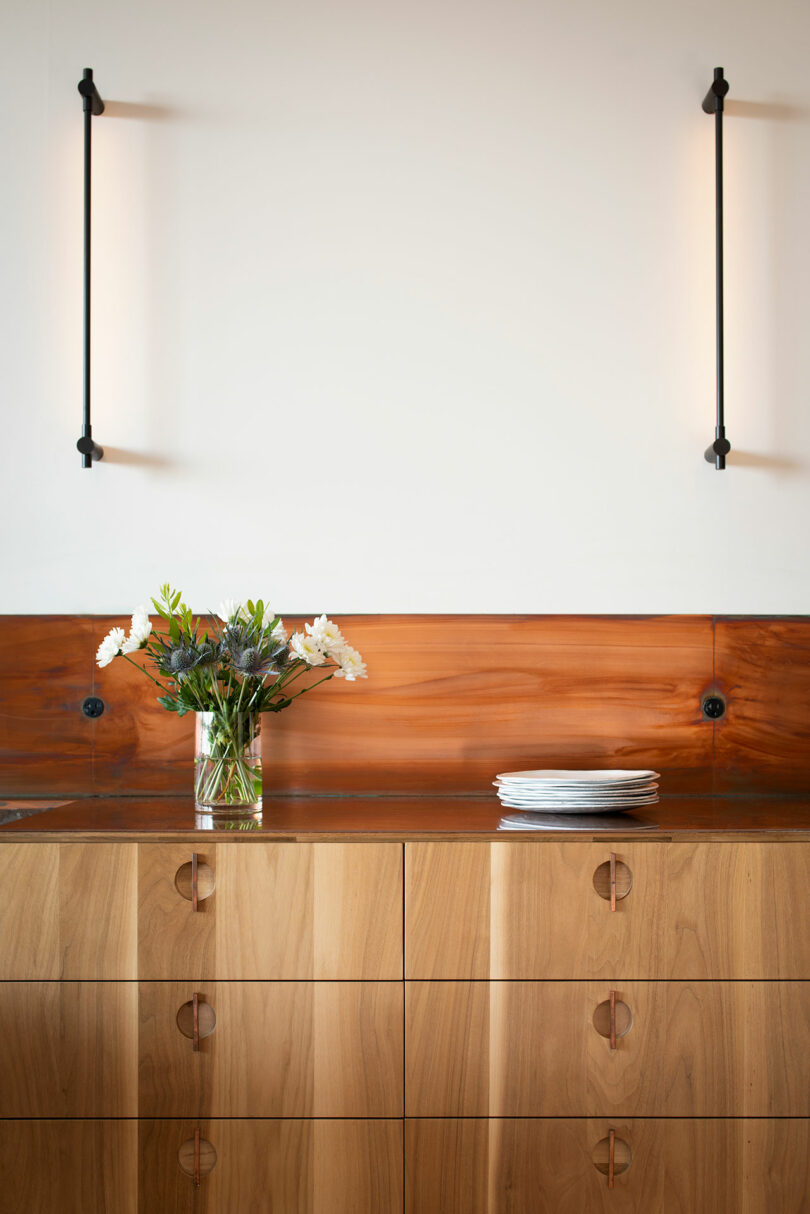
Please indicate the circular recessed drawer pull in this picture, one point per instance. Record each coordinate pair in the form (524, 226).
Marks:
(612, 1019)
(196, 1157)
(611, 1156)
(196, 1019)
(613, 880)
(194, 881)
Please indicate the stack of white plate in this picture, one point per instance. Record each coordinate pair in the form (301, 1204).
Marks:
(577, 792)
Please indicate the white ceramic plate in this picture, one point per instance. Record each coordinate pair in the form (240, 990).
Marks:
(605, 807)
(551, 775)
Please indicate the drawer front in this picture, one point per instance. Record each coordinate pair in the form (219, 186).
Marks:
(270, 911)
(55, 897)
(69, 1167)
(68, 1049)
(563, 1167)
(300, 1167)
(271, 1049)
(544, 910)
(543, 1049)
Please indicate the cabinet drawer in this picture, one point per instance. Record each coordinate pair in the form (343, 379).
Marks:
(271, 1049)
(533, 1049)
(543, 910)
(68, 1049)
(69, 1167)
(271, 911)
(55, 897)
(300, 1167)
(674, 1166)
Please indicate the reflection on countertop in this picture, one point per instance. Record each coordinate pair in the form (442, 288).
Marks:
(11, 811)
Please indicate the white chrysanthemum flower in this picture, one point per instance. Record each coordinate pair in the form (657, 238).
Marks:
(139, 632)
(326, 634)
(268, 615)
(279, 633)
(307, 648)
(351, 665)
(111, 646)
(229, 610)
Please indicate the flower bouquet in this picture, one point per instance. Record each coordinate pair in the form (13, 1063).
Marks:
(229, 671)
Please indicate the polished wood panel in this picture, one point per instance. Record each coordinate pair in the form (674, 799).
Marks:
(68, 1049)
(530, 1049)
(279, 1049)
(69, 1167)
(547, 1167)
(580, 691)
(324, 911)
(762, 668)
(54, 898)
(306, 818)
(304, 1167)
(46, 671)
(693, 910)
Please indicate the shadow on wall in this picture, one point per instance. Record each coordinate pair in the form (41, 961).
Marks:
(765, 463)
(134, 109)
(137, 459)
(766, 110)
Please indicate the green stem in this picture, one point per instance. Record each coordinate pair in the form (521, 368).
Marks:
(146, 672)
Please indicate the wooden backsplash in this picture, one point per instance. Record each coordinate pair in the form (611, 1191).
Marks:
(449, 701)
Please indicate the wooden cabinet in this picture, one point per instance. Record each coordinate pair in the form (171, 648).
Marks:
(69, 1049)
(151, 983)
(295, 1166)
(56, 899)
(669, 1166)
(275, 911)
(542, 1049)
(686, 910)
(69, 1167)
(254, 1012)
(271, 1049)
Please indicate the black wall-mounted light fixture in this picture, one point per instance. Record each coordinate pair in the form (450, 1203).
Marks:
(92, 105)
(713, 104)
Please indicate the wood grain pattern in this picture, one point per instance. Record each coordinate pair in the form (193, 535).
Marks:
(530, 1049)
(695, 911)
(546, 1167)
(450, 700)
(279, 1049)
(69, 1167)
(304, 1167)
(45, 673)
(322, 911)
(763, 668)
(68, 1049)
(422, 816)
(54, 898)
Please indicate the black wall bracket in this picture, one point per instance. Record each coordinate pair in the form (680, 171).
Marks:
(91, 105)
(713, 104)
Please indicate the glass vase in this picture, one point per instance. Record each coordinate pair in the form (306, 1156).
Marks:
(228, 762)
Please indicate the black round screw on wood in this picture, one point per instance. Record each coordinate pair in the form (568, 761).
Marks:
(93, 707)
(713, 707)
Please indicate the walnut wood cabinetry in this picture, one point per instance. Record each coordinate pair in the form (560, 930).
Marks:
(217, 1027)
(577, 1011)
(574, 1025)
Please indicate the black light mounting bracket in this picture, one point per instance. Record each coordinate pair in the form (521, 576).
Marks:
(713, 104)
(91, 104)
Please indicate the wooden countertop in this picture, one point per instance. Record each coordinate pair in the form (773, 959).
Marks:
(307, 818)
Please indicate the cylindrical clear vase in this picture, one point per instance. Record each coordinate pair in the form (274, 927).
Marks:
(228, 762)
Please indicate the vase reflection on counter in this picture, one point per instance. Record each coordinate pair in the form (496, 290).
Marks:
(220, 819)
(228, 762)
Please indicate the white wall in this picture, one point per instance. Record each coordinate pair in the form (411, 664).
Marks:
(406, 306)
